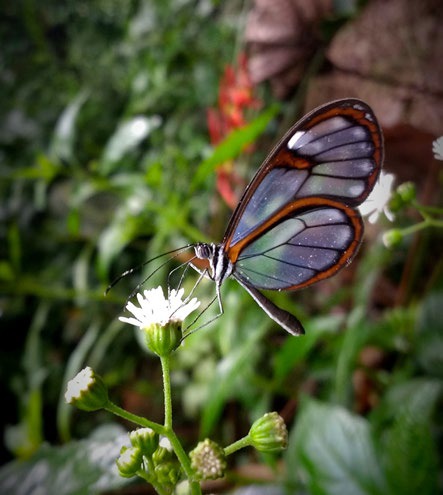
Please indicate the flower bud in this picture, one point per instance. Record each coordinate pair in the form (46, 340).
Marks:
(403, 196)
(129, 462)
(162, 339)
(145, 439)
(392, 238)
(208, 460)
(269, 433)
(87, 391)
(167, 473)
(162, 455)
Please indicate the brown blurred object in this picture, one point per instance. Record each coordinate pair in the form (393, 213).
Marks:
(364, 381)
(282, 36)
(390, 55)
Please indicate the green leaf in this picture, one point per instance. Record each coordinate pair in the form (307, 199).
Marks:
(233, 145)
(409, 450)
(62, 145)
(86, 467)
(293, 351)
(332, 451)
(127, 137)
(411, 457)
(125, 226)
(418, 395)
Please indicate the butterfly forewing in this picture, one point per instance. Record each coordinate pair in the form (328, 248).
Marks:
(296, 223)
(334, 152)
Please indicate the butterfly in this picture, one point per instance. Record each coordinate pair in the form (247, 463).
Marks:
(297, 221)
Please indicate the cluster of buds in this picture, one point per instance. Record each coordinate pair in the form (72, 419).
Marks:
(149, 458)
(403, 197)
(268, 434)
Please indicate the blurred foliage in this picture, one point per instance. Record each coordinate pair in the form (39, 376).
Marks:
(105, 162)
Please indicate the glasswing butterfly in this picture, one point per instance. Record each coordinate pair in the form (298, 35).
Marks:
(297, 222)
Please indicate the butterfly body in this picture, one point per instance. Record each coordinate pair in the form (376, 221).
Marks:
(297, 222)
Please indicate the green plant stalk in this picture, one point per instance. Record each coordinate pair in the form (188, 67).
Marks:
(168, 431)
(138, 420)
(157, 487)
(239, 444)
(427, 222)
(166, 372)
(424, 209)
(161, 430)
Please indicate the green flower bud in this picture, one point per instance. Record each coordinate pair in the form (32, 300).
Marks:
(392, 238)
(129, 462)
(403, 196)
(269, 433)
(167, 473)
(208, 460)
(162, 454)
(145, 439)
(87, 391)
(163, 339)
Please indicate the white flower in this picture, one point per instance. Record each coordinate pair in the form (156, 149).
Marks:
(87, 391)
(81, 382)
(377, 202)
(437, 148)
(156, 309)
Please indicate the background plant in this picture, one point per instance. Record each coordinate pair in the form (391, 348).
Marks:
(105, 163)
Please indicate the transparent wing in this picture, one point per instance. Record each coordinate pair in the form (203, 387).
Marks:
(305, 243)
(335, 152)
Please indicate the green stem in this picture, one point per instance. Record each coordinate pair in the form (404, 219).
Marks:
(138, 420)
(168, 431)
(423, 209)
(165, 362)
(239, 444)
(428, 222)
(157, 487)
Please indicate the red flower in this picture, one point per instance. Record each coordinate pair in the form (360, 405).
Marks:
(236, 96)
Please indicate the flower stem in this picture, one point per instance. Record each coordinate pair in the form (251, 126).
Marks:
(423, 209)
(138, 420)
(428, 222)
(165, 362)
(152, 481)
(168, 431)
(239, 444)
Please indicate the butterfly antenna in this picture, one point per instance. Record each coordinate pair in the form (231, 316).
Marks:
(177, 252)
(137, 287)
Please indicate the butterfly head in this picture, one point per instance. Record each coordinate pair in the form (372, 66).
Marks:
(221, 267)
(204, 251)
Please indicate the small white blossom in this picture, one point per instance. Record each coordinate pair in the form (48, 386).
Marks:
(377, 202)
(437, 148)
(80, 383)
(87, 391)
(156, 309)
(165, 443)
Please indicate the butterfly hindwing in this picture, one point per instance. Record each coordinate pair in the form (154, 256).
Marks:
(301, 247)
